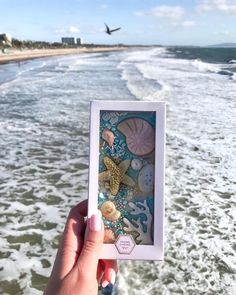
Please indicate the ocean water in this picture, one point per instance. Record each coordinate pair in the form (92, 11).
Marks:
(44, 116)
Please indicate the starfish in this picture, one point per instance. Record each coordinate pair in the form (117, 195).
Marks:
(115, 174)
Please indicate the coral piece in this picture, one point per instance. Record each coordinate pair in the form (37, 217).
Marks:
(115, 174)
(143, 237)
(109, 237)
(136, 164)
(108, 136)
(109, 211)
(111, 117)
(129, 195)
(140, 136)
(146, 178)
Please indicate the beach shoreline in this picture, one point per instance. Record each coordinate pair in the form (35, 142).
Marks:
(28, 54)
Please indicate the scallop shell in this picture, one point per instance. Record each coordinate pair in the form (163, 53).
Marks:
(108, 136)
(109, 237)
(146, 178)
(140, 136)
(109, 211)
(136, 164)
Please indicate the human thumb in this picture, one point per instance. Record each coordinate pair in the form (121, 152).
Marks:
(88, 259)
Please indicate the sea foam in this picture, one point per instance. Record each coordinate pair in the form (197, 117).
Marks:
(44, 148)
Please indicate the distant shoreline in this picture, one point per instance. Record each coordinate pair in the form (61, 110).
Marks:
(28, 54)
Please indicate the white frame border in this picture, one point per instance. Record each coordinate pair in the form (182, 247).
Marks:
(140, 252)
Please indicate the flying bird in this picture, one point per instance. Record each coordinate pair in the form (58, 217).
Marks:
(109, 31)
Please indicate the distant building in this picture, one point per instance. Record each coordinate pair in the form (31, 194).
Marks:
(5, 40)
(79, 41)
(69, 40)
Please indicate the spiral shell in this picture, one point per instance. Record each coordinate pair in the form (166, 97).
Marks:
(108, 136)
(109, 211)
(140, 136)
(109, 237)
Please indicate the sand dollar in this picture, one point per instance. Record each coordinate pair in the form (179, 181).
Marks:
(146, 178)
(140, 136)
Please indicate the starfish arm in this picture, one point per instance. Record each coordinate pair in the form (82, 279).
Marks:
(110, 165)
(104, 176)
(127, 180)
(124, 165)
(114, 185)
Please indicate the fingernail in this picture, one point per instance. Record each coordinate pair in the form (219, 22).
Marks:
(113, 277)
(95, 222)
(105, 283)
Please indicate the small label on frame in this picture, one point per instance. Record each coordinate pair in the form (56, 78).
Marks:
(125, 244)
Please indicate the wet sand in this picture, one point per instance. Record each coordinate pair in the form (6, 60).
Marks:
(17, 55)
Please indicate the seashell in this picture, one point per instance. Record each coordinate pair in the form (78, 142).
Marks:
(101, 195)
(109, 211)
(146, 178)
(109, 237)
(140, 136)
(111, 197)
(108, 136)
(136, 164)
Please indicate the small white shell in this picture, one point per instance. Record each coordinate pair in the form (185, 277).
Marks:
(101, 196)
(136, 164)
(111, 197)
(146, 178)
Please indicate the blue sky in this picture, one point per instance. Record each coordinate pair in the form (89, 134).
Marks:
(171, 22)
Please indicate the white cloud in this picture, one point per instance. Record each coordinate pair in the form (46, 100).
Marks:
(174, 13)
(188, 23)
(70, 30)
(139, 13)
(60, 31)
(73, 29)
(169, 12)
(224, 6)
(222, 32)
(93, 31)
